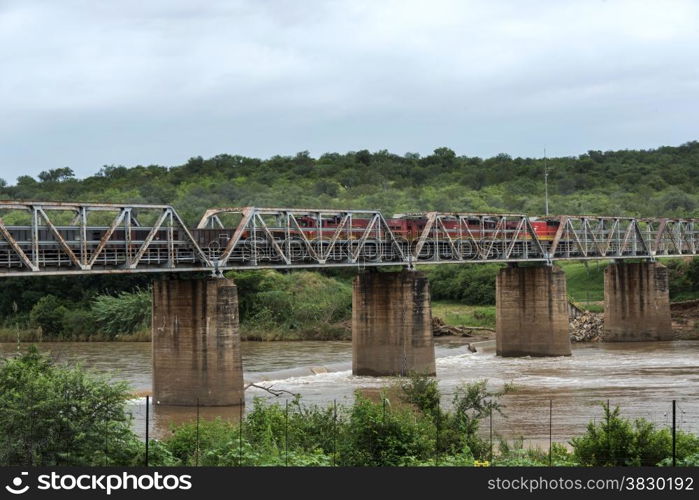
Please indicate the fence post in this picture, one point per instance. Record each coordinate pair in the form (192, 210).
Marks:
(550, 432)
(106, 433)
(674, 433)
(147, 425)
(196, 462)
(240, 436)
(491, 435)
(286, 433)
(436, 442)
(334, 432)
(609, 438)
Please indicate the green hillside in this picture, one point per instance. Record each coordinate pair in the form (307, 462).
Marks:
(655, 182)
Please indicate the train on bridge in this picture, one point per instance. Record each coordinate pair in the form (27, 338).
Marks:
(153, 238)
(119, 242)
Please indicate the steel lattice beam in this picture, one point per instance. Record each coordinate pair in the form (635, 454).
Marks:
(65, 238)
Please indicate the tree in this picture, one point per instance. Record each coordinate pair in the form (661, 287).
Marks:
(52, 415)
(47, 314)
(56, 174)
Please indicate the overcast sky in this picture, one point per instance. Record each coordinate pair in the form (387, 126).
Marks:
(85, 83)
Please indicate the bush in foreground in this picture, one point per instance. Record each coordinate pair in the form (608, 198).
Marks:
(53, 415)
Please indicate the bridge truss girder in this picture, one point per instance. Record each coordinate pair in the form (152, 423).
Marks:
(63, 238)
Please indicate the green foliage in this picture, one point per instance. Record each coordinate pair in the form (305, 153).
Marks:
(684, 279)
(472, 404)
(78, 323)
(421, 391)
(209, 435)
(378, 435)
(688, 461)
(52, 415)
(48, 314)
(126, 313)
(584, 280)
(468, 284)
(615, 441)
(515, 455)
(302, 304)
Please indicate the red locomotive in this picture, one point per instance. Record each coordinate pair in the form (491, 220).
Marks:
(410, 227)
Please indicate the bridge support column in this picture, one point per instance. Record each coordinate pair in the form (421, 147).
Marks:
(636, 302)
(196, 343)
(532, 312)
(392, 324)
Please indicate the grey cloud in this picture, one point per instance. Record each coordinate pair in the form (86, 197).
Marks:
(91, 83)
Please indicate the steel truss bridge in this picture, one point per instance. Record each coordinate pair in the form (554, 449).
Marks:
(50, 238)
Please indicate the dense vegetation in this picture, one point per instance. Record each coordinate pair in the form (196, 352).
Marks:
(55, 415)
(52, 415)
(642, 183)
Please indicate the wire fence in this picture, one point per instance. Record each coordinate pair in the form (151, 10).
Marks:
(522, 423)
(533, 427)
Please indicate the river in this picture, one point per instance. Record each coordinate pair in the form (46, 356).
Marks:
(558, 395)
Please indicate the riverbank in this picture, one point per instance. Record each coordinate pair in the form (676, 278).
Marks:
(449, 318)
(35, 335)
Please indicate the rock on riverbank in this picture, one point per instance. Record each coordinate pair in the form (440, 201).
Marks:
(587, 327)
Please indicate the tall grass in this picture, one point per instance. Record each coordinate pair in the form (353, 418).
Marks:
(124, 314)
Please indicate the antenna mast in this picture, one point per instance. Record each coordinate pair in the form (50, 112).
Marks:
(546, 183)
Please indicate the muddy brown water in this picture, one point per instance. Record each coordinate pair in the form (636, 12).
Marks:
(558, 395)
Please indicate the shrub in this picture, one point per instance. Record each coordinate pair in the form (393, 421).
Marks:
(53, 415)
(421, 391)
(48, 314)
(469, 284)
(292, 305)
(124, 314)
(377, 435)
(618, 441)
(78, 323)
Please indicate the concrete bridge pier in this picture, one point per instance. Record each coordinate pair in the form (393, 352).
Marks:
(532, 312)
(636, 302)
(392, 324)
(196, 343)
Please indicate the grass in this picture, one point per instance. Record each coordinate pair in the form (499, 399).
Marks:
(320, 331)
(456, 314)
(34, 335)
(585, 282)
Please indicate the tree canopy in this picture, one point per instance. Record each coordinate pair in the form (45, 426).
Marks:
(652, 182)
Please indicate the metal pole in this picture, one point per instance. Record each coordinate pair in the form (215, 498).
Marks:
(674, 433)
(286, 432)
(197, 456)
(546, 183)
(609, 439)
(240, 436)
(106, 433)
(491, 435)
(334, 432)
(436, 442)
(550, 432)
(147, 424)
